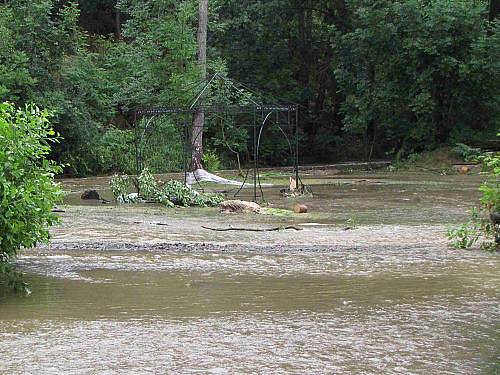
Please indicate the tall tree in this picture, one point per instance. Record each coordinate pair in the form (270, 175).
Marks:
(494, 9)
(199, 116)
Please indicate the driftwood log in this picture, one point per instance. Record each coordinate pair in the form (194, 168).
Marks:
(274, 229)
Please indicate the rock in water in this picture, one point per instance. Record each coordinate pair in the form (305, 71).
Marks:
(90, 195)
(300, 208)
(239, 206)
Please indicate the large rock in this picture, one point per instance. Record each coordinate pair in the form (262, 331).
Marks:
(239, 206)
(90, 195)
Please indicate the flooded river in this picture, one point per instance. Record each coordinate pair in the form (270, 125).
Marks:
(382, 308)
(387, 311)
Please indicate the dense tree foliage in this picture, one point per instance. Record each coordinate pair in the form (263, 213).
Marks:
(27, 189)
(418, 74)
(372, 78)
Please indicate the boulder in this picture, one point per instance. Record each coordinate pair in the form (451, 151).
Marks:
(90, 195)
(239, 206)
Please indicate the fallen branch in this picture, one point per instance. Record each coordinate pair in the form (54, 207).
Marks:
(143, 222)
(252, 229)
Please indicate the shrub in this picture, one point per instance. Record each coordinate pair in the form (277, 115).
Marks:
(211, 161)
(466, 153)
(27, 186)
(120, 186)
(183, 195)
(480, 224)
(115, 151)
(467, 234)
(172, 193)
(148, 186)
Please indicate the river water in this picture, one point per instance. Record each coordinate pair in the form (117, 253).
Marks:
(384, 309)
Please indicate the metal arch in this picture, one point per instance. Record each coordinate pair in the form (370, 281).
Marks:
(139, 144)
(258, 144)
(257, 106)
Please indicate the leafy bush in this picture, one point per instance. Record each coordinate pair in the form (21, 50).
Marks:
(115, 151)
(467, 234)
(418, 73)
(466, 153)
(162, 146)
(211, 161)
(480, 224)
(170, 194)
(491, 188)
(27, 184)
(120, 186)
(147, 184)
(183, 195)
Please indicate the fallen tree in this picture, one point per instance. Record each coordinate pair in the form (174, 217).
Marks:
(273, 229)
(171, 193)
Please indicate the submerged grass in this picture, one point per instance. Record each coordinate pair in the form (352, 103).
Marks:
(280, 212)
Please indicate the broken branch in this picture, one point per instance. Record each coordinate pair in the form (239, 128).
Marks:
(252, 229)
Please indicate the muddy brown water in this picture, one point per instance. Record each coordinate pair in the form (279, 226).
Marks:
(383, 308)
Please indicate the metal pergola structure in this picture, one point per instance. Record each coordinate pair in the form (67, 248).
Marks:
(257, 112)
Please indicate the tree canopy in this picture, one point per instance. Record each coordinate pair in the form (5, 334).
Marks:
(373, 79)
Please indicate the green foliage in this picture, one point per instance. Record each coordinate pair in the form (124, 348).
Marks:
(438, 161)
(491, 188)
(172, 193)
(27, 183)
(401, 76)
(466, 153)
(278, 212)
(115, 151)
(155, 61)
(15, 77)
(417, 73)
(480, 224)
(211, 161)
(182, 195)
(352, 222)
(89, 83)
(490, 163)
(467, 234)
(491, 196)
(162, 151)
(148, 186)
(120, 186)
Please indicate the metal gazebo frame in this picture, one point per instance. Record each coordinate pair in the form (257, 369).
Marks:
(250, 102)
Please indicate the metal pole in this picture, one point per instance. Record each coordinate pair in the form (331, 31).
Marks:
(255, 157)
(136, 144)
(185, 145)
(297, 145)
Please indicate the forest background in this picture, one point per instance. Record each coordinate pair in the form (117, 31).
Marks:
(374, 79)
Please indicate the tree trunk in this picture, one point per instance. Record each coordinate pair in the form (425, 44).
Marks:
(118, 22)
(371, 127)
(494, 9)
(199, 116)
